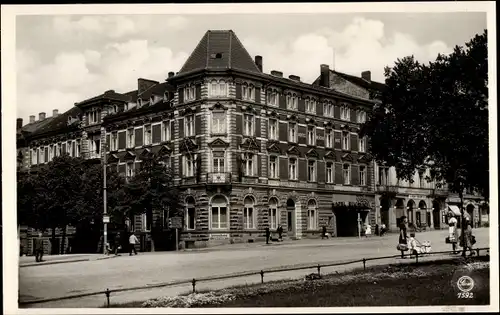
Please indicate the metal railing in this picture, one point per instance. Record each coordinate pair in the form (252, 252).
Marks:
(260, 273)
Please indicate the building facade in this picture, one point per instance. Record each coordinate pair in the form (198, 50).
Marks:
(249, 150)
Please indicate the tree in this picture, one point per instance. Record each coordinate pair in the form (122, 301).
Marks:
(435, 117)
(152, 189)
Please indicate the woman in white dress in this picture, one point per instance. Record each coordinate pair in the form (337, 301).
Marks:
(368, 230)
(452, 230)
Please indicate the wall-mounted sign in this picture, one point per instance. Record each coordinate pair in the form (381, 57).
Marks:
(105, 219)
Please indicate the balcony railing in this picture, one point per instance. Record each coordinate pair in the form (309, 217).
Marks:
(218, 178)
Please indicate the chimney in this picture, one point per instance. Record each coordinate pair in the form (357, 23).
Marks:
(19, 123)
(325, 76)
(41, 116)
(294, 77)
(366, 75)
(277, 73)
(32, 119)
(258, 62)
(55, 112)
(171, 74)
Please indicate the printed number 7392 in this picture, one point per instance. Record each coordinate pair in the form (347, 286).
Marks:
(465, 295)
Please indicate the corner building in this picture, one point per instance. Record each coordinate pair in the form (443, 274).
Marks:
(250, 150)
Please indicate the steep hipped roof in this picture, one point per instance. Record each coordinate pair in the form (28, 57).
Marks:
(369, 85)
(219, 50)
(109, 95)
(57, 123)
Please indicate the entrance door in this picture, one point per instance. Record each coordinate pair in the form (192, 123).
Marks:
(428, 219)
(290, 220)
(290, 207)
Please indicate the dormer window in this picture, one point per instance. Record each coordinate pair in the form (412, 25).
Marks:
(292, 101)
(218, 88)
(272, 97)
(216, 56)
(248, 92)
(345, 112)
(310, 106)
(189, 93)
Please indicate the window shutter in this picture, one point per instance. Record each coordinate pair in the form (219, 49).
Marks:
(181, 160)
(320, 137)
(139, 135)
(181, 128)
(336, 112)
(338, 174)
(73, 150)
(282, 100)
(197, 125)
(239, 124)
(354, 142)
(108, 142)
(122, 169)
(321, 174)
(181, 95)
(172, 129)
(319, 108)
(337, 140)
(369, 174)
(238, 91)
(137, 166)
(198, 91)
(302, 132)
(353, 115)
(257, 95)
(257, 126)
(283, 168)
(99, 114)
(354, 175)
(302, 105)
(63, 149)
(302, 170)
(156, 130)
(258, 167)
(283, 131)
(137, 223)
(122, 140)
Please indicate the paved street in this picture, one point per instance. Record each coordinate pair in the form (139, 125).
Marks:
(47, 281)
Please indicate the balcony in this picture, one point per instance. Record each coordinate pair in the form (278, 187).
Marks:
(218, 178)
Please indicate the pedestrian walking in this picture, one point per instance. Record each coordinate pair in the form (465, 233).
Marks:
(383, 229)
(368, 230)
(323, 232)
(117, 243)
(39, 248)
(268, 234)
(377, 230)
(132, 240)
(403, 242)
(468, 238)
(280, 233)
(452, 231)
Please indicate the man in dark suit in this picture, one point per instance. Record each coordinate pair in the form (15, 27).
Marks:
(38, 247)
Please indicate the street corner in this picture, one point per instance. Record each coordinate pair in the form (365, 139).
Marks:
(470, 279)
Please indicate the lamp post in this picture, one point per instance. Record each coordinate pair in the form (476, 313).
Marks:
(105, 218)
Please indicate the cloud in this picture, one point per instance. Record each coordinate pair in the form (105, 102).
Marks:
(362, 45)
(177, 22)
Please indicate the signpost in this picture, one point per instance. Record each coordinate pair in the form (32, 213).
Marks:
(175, 223)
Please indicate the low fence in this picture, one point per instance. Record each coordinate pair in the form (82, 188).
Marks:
(260, 273)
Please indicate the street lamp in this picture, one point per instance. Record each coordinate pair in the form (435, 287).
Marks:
(105, 217)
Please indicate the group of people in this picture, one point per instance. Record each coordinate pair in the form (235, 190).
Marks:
(380, 231)
(132, 240)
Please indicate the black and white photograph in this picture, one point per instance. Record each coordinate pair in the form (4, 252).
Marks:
(282, 158)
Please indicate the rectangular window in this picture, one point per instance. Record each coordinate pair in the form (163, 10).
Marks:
(130, 170)
(311, 171)
(362, 175)
(383, 176)
(219, 217)
(190, 219)
(189, 166)
(34, 157)
(146, 225)
(93, 116)
(421, 179)
(311, 219)
(218, 160)
(77, 148)
(248, 221)
(272, 97)
(273, 129)
(362, 144)
(248, 125)
(218, 123)
(248, 164)
(291, 101)
(329, 172)
(311, 135)
(114, 141)
(292, 169)
(218, 88)
(328, 109)
(273, 218)
(166, 130)
(329, 138)
(130, 138)
(273, 166)
(310, 106)
(346, 172)
(248, 92)
(292, 132)
(189, 128)
(147, 135)
(345, 141)
(189, 93)
(361, 117)
(345, 112)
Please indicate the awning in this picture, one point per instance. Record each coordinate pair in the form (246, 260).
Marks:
(455, 210)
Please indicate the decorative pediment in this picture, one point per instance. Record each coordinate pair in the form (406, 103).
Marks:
(345, 127)
(347, 157)
(218, 106)
(129, 156)
(113, 158)
(311, 121)
(188, 110)
(272, 113)
(164, 150)
(146, 152)
(292, 118)
(330, 155)
(312, 153)
(366, 158)
(328, 124)
(250, 144)
(188, 145)
(218, 143)
(248, 109)
(273, 147)
(293, 151)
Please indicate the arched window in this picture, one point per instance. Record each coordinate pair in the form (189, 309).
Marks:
(219, 215)
(311, 215)
(273, 213)
(218, 88)
(248, 213)
(190, 214)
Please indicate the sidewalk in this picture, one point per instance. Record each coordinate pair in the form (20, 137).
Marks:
(29, 261)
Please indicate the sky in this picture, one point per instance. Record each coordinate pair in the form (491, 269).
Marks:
(64, 59)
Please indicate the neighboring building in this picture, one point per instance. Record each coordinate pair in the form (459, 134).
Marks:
(250, 150)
